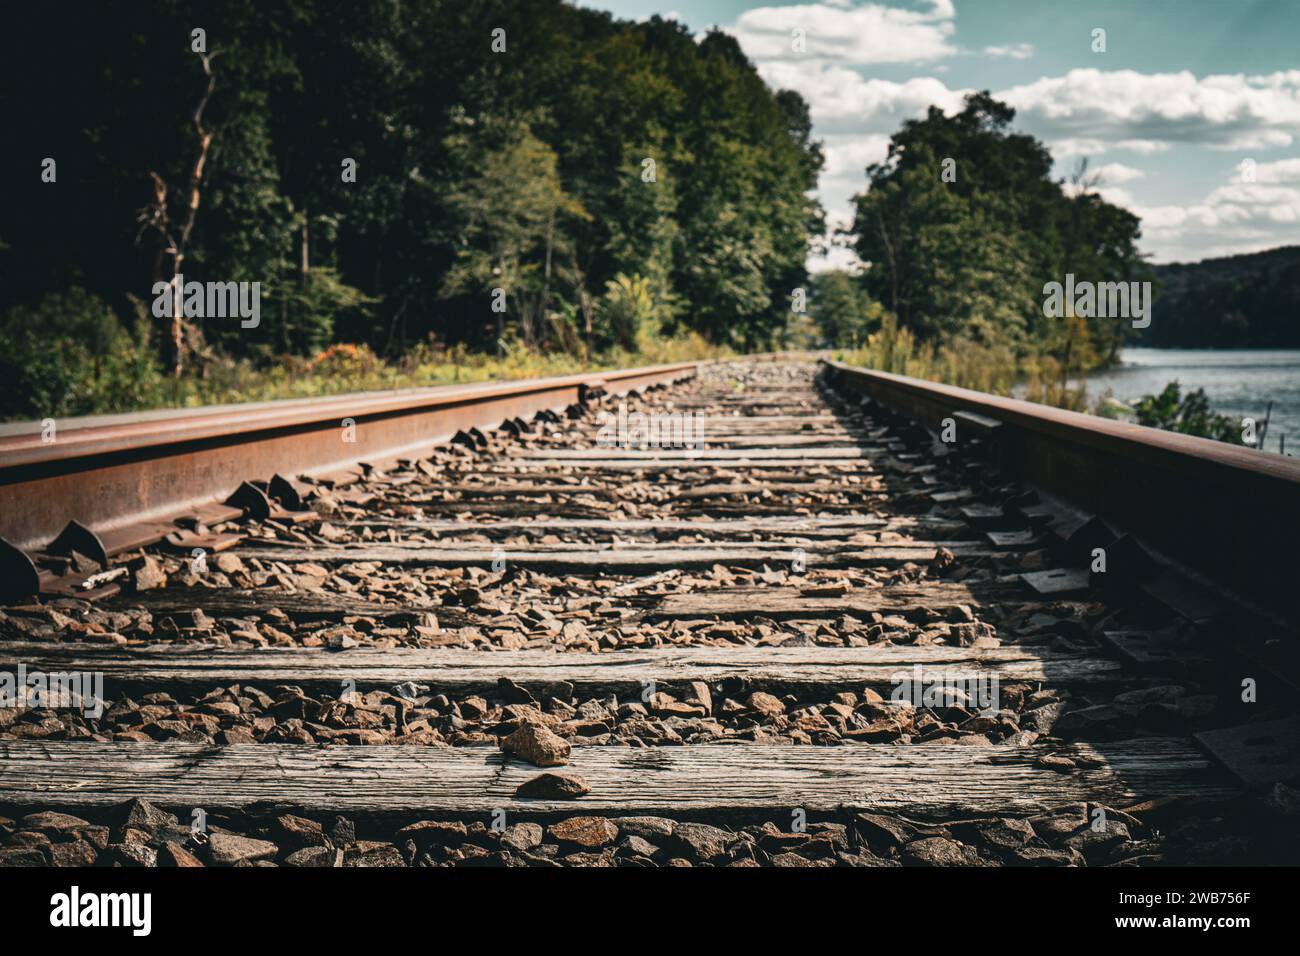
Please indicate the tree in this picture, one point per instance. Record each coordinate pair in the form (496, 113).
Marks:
(513, 217)
(963, 225)
(843, 311)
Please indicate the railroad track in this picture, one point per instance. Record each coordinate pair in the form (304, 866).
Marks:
(819, 636)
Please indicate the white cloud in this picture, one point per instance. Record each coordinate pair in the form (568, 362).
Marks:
(1142, 109)
(844, 174)
(1083, 112)
(1239, 217)
(1105, 181)
(849, 156)
(841, 99)
(870, 33)
(1282, 171)
(1013, 51)
(1112, 174)
(1067, 148)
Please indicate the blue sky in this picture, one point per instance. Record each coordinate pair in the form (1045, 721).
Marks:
(1191, 116)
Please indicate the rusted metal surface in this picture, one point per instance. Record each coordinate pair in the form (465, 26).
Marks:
(1230, 512)
(112, 476)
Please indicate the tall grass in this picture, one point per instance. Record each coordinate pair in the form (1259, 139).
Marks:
(968, 364)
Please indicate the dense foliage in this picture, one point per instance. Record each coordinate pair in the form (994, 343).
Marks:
(1189, 414)
(1246, 301)
(615, 181)
(963, 225)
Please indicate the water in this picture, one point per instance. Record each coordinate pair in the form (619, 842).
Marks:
(1238, 382)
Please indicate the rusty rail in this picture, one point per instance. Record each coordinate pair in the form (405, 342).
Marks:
(126, 479)
(1228, 512)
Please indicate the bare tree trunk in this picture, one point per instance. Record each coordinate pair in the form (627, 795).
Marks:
(305, 265)
(156, 217)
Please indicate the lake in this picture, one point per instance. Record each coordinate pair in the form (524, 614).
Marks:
(1238, 382)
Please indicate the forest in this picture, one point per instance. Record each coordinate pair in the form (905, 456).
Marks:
(1237, 302)
(431, 189)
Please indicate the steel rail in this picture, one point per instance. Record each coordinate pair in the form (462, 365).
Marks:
(110, 475)
(1228, 512)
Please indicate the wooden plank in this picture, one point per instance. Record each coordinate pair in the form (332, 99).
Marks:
(784, 423)
(199, 668)
(775, 487)
(797, 440)
(614, 492)
(301, 606)
(511, 466)
(677, 781)
(680, 454)
(515, 490)
(475, 552)
(789, 524)
(791, 602)
(588, 558)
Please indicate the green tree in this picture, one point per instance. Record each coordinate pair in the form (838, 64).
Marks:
(514, 215)
(963, 225)
(843, 311)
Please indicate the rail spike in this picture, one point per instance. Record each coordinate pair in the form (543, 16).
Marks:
(75, 536)
(252, 500)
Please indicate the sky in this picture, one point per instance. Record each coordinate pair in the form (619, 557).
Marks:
(1191, 115)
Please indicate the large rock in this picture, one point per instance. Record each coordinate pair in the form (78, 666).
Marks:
(699, 694)
(173, 854)
(554, 786)
(23, 856)
(938, 851)
(766, 704)
(881, 832)
(584, 831)
(299, 832)
(704, 842)
(229, 849)
(522, 836)
(653, 829)
(53, 823)
(76, 853)
(315, 856)
(147, 574)
(427, 833)
(538, 746)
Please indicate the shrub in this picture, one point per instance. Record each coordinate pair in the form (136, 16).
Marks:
(70, 355)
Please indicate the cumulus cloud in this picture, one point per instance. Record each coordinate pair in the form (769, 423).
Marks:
(849, 156)
(869, 33)
(1124, 106)
(1117, 115)
(843, 176)
(1234, 218)
(1083, 112)
(1282, 171)
(1013, 51)
(1113, 174)
(841, 99)
(1069, 147)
